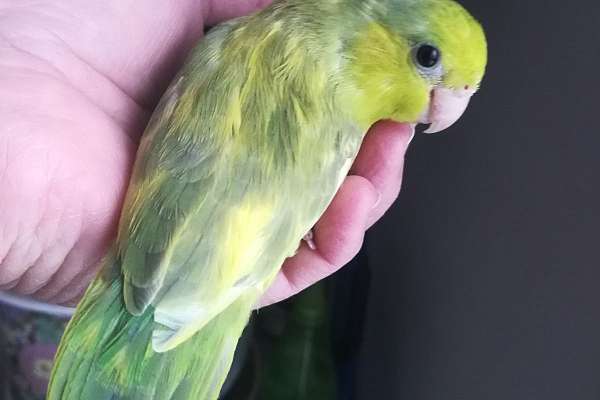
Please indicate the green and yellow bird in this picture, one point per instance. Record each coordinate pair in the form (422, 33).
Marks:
(242, 156)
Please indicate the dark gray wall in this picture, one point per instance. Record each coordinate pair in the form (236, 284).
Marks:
(486, 273)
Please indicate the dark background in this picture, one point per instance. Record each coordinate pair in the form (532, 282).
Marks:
(486, 273)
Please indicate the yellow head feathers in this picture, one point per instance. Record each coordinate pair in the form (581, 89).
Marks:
(405, 51)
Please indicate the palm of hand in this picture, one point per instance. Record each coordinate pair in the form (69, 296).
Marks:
(78, 82)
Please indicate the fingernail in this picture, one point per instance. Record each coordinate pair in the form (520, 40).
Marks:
(412, 133)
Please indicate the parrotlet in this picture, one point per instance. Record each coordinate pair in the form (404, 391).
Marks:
(241, 157)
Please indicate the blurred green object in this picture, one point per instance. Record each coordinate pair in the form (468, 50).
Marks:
(299, 365)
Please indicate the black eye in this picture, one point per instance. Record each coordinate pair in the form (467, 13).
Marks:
(428, 56)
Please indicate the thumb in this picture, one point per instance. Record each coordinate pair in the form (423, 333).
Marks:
(220, 10)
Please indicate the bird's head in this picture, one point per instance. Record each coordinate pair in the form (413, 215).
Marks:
(416, 61)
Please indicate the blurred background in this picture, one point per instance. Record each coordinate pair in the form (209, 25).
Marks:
(481, 282)
(486, 273)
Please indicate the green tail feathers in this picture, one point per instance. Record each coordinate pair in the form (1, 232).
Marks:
(106, 353)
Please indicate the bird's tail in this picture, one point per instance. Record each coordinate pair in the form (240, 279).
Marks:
(106, 353)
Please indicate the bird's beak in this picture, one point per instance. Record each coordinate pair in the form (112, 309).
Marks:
(446, 107)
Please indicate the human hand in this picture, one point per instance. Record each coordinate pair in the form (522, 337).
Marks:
(78, 81)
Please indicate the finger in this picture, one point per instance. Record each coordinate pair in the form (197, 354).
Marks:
(297, 273)
(381, 162)
(338, 236)
(339, 233)
(73, 292)
(77, 269)
(222, 10)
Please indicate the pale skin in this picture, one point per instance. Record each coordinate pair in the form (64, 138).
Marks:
(78, 81)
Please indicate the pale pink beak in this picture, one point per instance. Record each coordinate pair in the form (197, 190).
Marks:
(446, 107)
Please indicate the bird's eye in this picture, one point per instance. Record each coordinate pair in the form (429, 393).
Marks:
(428, 56)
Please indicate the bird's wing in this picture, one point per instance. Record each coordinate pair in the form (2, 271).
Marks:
(233, 169)
(195, 220)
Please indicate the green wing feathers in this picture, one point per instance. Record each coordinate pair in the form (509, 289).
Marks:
(241, 157)
(106, 354)
(217, 192)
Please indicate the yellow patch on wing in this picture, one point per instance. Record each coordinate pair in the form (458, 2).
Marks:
(230, 273)
(245, 240)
